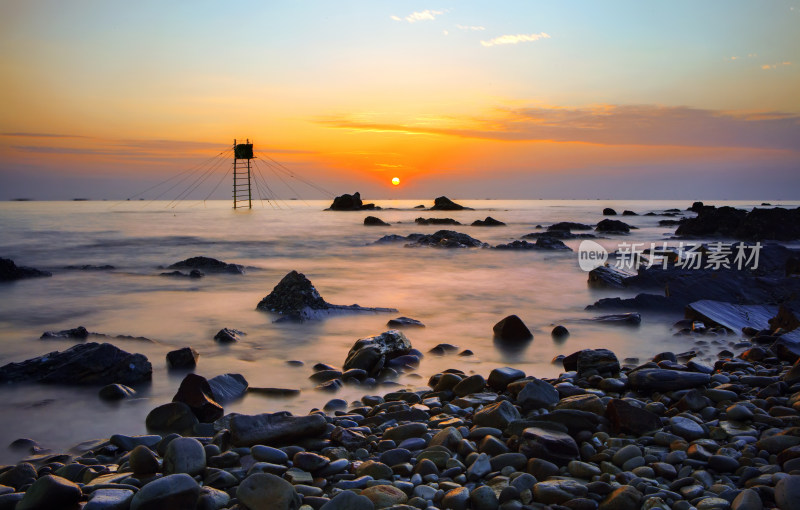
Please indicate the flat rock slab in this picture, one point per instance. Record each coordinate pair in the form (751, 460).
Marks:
(736, 317)
(247, 430)
(657, 379)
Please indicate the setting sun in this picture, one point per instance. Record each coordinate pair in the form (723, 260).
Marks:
(395, 181)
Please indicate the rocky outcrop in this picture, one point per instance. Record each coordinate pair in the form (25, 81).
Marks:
(9, 271)
(274, 428)
(436, 221)
(84, 364)
(445, 204)
(372, 221)
(350, 203)
(613, 227)
(488, 222)
(208, 265)
(778, 224)
(512, 328)
(542, 243)
(184, 358)
(296, 298)
(569, 226)
(609, 212)
(373, 353)
(195, 392)
(446, 239)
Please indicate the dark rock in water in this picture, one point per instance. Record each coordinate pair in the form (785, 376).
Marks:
(785, 319)
(512, 328)
(195, 392)
(350, 203)
(628, 418)
(391, 238)
(657, 379)
(269, 429)
(609, 212)
(420, 206)
(50, 491)
(447, 239)
(625, 319)
(185, 357)
(543, 242)
(629, 213)
(228, 335)
(613, 226)
(9, 271)
(603, 361)
(171, 491)
(174, 417)
(669, 223)
(608, 277)
(559, 332)
(83, 364)
(275, 392)
(228, 387)
(559, 234)
(488, 222)
(372, 353)
(642, 301)
(90, 267)
(401, 322)
(265, 491)
(194, 273)
(778, 224)
(696, 207)
(569, 226)
(208, 265)
(445, 204)
(516, 245)
(297, 299)
(116, 392)
(79, 333)
(436, 221)
(500, 378)
(372, 221)
(556, 447)
(23, 445)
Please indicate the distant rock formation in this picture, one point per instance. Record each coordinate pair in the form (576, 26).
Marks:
(350, 203)
(208, 265)
(613, 226)
(436, 221)
(445, 204)
(758, 224)
(9, 271)
(488, 222)
(372, 221)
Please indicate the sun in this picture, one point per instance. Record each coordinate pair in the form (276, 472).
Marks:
(395, 180)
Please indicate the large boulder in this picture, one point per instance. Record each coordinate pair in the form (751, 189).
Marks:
(372, 353)
(171, 491)
(195, 392)
(228, 387)
(778, 223)
(265, 491)
(350, 203)
(9, 271)
(445, 204)
(568, 226)
(274, 428)
(436, 221)
(446, 239)
(208, 265)
(488, 222)
(657, 379)
(603, 361)
(84, 364)
(556, 447)
(512, 328)
(613, 226)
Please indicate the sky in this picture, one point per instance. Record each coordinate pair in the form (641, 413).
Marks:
(503, 99)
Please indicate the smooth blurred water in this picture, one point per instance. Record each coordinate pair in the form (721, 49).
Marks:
(459, 294)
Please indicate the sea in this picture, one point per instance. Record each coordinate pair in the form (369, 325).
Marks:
(459, 294)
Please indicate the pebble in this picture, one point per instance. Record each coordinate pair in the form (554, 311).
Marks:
(185, 455)
(49, 492)
(263, 491)
(171, 491)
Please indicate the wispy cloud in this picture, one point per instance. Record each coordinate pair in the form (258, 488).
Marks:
(515, 39)
(426, 15)
(649, 125)
(767, 67)
(471, 27)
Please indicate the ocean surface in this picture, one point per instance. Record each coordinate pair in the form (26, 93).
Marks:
(458, 293)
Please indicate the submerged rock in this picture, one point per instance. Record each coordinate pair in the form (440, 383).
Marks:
(446, 239)
(84, 364)
(116, 392)
(778, 223)
(402, 322)
(609, 212)
(228, 335)
(512, 328)
(372, 353)
(613, 226)
(194, 273)
(372, 221)
(195, 392)
(274, 428)
(657, 379)
(208, 265)
(626, 319)
(436, 221)
(296, 298)
(79, 333)
(350, 203)
(9, 271)
(445, 204)
(569, 226)
(185, 357)
(488, 222)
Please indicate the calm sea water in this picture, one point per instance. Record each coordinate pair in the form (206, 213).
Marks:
(458, 294)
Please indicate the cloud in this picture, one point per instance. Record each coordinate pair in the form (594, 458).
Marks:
(426, 15)
(648, 125)
(767, 67)
(471, 27)
(515, 39)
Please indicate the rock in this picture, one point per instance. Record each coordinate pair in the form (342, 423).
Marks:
(512, 328)
(116, 392)
(787, 493)
(499, 378)
(778, 224)
(372, 221)
(446, 239)
(609, 212)
(559, 332)
(184, 358)
(174, 417)
(228, 387)
(9, 271)
(556, 447)
(657, 379)
(248, 430)
(264, 491)
(169, 492)
(624, 319)
(84, 364)
(445, 204)
(556, 492)
(456, 499)
(686, 428)
(49, 492)
(569, 226)
(497, 415)
(613, 226)
(748, 499)
(603, 361)
(608, 277)
(623, 498)
(228, 335)
(195, 392)
(384, 496)
(143, 461)
(629, 213)
(348, 500)
(404, 322)
(109, 499)
(184, 455)
(373, 352)
(436, 221)
(79, 333)
(483, 498)
(350, 203)
(551, 243)
(297, 299)
(537, 394)
(625, 417)
(208, 265)
(488, 222)
(469, 385)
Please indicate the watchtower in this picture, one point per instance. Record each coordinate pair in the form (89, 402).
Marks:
(241, 174)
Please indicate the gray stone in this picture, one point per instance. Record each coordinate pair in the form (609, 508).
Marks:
(497, 415)
(558, 491)
(456, 499)
(143, 461)
(49, 492)
(228, 387)
(109, 499)
(657, 379)
(686, 428)
(748, 499)
(483, 498)
(263, 491)
(184, 455)
(626, 453)
(499, 378)
(169, 492)
(268, 454)
(537, 394)
(623, 498)
(584, 470)
(787, 493)
(479, 468)
(348, 500)
(556, 447)
(248, 430)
